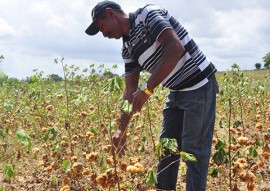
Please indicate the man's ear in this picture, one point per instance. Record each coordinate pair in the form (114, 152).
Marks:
(109, 12)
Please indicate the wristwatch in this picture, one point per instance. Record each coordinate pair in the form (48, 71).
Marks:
(145, 89)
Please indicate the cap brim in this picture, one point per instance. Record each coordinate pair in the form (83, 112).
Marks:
(92, 29)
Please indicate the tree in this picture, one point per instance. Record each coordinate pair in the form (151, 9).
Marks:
(266, 60)
(1, 58)
(258, 66)
(266, 65)
(2, 74)
(55, 77)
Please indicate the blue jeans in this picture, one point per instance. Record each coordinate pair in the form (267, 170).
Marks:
(189, 117)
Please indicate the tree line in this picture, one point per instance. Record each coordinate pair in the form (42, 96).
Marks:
(266, 60)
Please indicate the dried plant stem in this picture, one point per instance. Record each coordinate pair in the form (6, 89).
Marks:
(113, 151)
(67, 124)
(167, 166)
(150, 127)
(230, 159)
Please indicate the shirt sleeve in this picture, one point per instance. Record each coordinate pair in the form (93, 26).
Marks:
(131, 66)
(157, 20)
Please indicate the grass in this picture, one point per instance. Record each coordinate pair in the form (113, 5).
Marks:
(255, 74)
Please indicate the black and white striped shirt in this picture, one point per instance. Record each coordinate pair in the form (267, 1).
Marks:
(142, 51)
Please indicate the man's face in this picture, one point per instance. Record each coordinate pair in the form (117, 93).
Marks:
(109, 27)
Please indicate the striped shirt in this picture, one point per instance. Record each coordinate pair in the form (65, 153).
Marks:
(142, 51)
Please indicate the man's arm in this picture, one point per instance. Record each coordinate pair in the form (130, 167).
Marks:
(131, 81)
(173, 50)
(120, 136)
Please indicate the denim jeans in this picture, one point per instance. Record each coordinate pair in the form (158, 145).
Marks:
(189, 117)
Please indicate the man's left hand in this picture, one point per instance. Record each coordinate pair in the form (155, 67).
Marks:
(139, 98)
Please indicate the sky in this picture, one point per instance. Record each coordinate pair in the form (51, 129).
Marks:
(35, 32)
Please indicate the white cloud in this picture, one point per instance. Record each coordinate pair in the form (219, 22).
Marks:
(5, 28)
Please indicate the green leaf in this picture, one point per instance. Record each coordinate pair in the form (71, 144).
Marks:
(188, 157)
(85, 70)
(166, 144)
(54, 180)
(233, 139)
(56, 146)
(66, 165)
(23, 138)
(142, 149)
(126, 106)
(93, 130)
(50, 134)
(3, 188)
(2, 134)
(101, 161)
(223, 123)
(213, 172)
(237, 124)
(115, 86)
(220, 156)
(6, 130)
(8, 169)
(220, 144)
(259, 143)
(150, 178)
(252, 151)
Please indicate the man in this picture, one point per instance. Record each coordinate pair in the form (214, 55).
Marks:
(154, 41)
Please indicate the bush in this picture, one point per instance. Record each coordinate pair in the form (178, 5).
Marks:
(3, 77)
(258, 66)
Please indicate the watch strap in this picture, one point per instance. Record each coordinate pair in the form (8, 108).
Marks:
(145, 89)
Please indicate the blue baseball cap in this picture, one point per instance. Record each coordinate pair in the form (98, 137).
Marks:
(99, 8)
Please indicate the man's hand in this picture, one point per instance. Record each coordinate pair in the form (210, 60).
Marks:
(119, 143)
(139, 98)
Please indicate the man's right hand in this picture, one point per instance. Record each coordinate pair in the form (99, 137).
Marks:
(119, 143)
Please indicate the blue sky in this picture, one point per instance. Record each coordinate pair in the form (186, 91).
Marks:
(33, 34)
